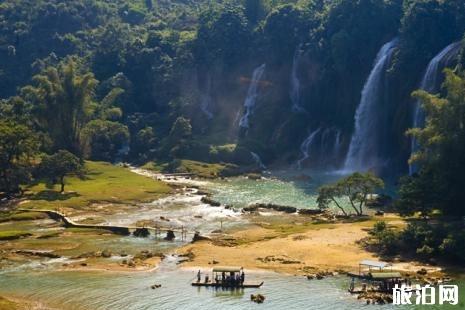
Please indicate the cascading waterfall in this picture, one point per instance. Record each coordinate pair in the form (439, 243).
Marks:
(337, 145)
(430, 83)
(295, 82)
(252, 94)
(363, 149)
(258, 160)
(305, 147)
(207, 101)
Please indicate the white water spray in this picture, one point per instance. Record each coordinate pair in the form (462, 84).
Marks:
(363, 149)
(258, 160)
(305, 147)
(252, 94)
(295, 82)
(207, 101)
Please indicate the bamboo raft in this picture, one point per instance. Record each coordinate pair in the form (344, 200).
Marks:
(220, 285)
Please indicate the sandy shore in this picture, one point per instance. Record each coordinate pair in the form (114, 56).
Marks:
(331, 248)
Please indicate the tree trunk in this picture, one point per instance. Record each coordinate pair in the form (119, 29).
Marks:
(340, 208)
(62, 182)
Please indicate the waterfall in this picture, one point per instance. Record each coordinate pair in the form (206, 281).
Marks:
(305, 148)
(430, 84)
(207, 101)
(295, 82)
(258, 160)
(337, 145)
(363, 148)
(252, 94)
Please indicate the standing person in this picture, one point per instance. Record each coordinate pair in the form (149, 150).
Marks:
(242, 277)
(198, 276)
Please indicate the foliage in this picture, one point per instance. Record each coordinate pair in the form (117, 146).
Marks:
(59, 165)
(385, 237)
(442, 150)
(62, 99)
(18, 146)
(355, 187)
(105, 139)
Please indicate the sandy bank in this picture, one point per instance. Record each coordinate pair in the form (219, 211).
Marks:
(331, 248)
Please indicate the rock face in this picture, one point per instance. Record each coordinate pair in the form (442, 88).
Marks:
(258, 298)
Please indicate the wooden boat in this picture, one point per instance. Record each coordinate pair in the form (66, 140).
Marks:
(218, 285)
(226, 277)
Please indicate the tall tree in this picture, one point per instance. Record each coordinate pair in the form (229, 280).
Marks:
(63, 100)
(18, 146)
(442, 147)
(355, 188)
(59, 165)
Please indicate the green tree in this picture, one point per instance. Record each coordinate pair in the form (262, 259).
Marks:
(104, 138)
(442, 151)
(18, 146)
(63, 100)
(355, 188)
(329, 194)
(59, 165)
(181, 129)
(144, 141)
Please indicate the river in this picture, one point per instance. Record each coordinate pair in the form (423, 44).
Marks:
(44, 282)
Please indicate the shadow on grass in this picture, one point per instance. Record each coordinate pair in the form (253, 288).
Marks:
(51, 195)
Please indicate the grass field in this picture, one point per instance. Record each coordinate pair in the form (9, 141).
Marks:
(13, 234)
(103, 182)
(200, 169)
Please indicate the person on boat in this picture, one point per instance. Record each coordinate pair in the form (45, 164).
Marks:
(206, 278)
(242, 277)
(217, 279)
(223, 277)
(198, 276)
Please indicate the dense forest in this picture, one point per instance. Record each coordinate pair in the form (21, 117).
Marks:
(308, 83)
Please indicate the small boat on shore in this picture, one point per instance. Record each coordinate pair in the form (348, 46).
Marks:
(226, 277)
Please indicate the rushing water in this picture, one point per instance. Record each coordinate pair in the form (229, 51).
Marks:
(206, 100)
(430, 83)
(258, 160)
(305, 147)
(78, 290)
(363, 150)
(252, 94)
(295, 82)
(297, 189)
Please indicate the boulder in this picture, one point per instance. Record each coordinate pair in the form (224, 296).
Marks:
(141, 232)
(258, 298)
(198, 237)
(170, 235)
(209, 201)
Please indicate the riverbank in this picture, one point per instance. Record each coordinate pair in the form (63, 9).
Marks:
(289, 244)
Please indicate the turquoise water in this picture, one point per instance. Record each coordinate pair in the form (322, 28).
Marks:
(282, 188)
(79, 290)
(95, 290)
